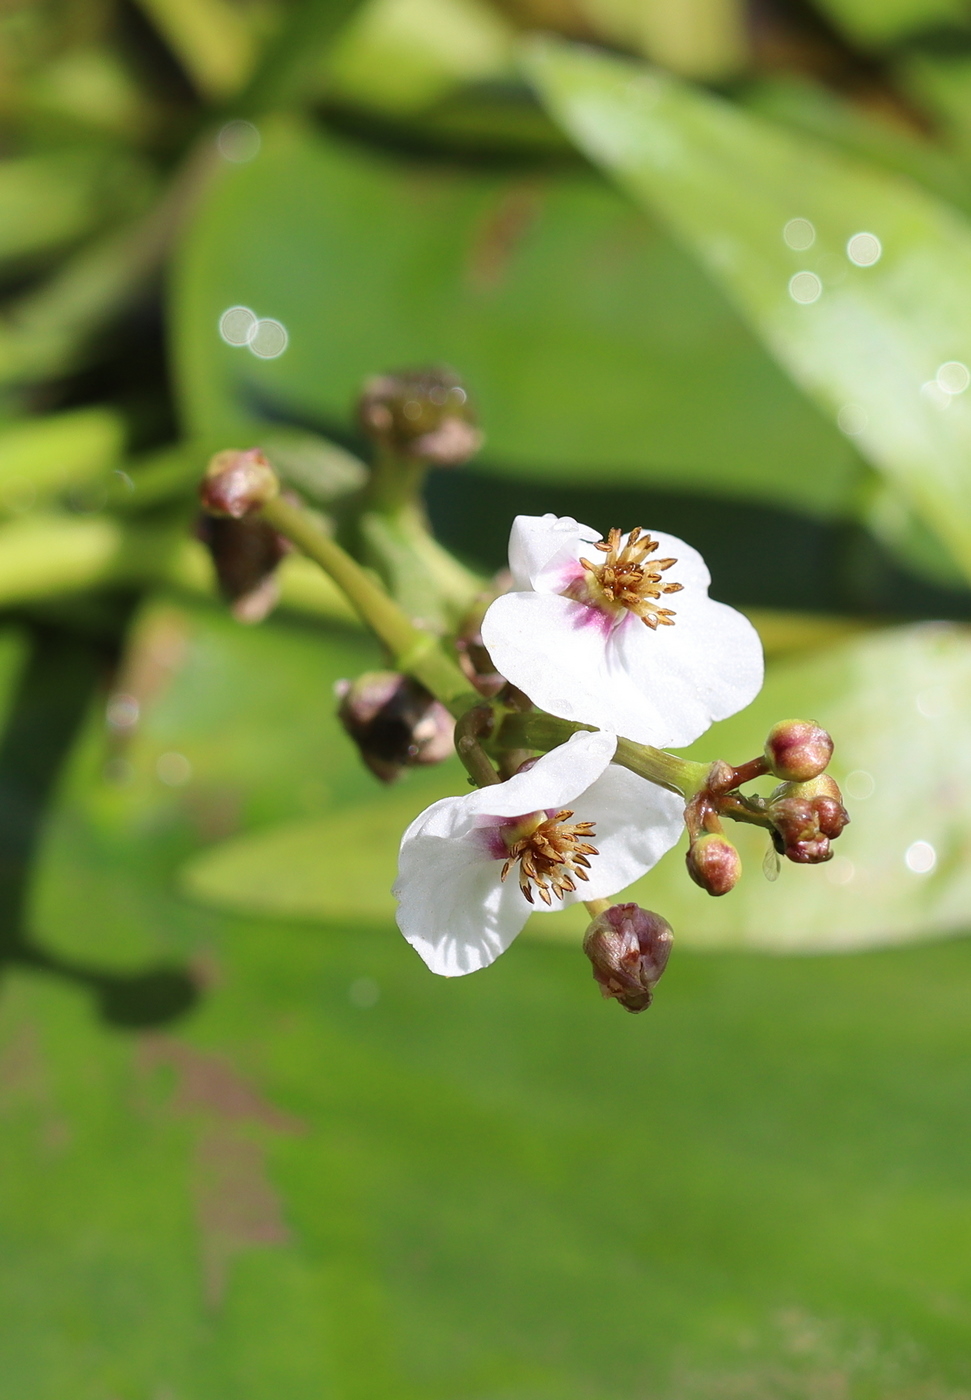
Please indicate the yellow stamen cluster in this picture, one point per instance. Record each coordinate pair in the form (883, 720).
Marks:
(550, 854)
(629, 578)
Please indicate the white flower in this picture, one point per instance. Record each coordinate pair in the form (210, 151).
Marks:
(588, 634)
(472, 869)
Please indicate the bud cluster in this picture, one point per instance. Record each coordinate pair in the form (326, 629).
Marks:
(804, 814)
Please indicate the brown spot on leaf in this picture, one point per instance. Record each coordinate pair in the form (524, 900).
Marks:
(210, 1083)
(499, 234)
(237, 1207)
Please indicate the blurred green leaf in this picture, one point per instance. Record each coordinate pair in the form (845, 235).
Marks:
(815, 110)
(705, 39)
(863, 326)
(883, 22)
(54, 199)
(335, 868)
(940, 82)
(641, 373)
(214, 41)
(43, 457)
(402, 55)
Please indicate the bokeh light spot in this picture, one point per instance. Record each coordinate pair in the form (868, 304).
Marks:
(364, 993)
(920, 858)
(173, 769)
(859, 785)
(799, 234)
(864, 249)
(953, 377)
(852, 419)
(238, 141)
(805, 287)
(269, 339)
(237, 325)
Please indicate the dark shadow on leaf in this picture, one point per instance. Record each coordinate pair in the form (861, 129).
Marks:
(62, 673)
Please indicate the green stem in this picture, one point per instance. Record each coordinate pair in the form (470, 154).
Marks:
(395, 484)
(415, 652)
(472, 728)
(539, 731)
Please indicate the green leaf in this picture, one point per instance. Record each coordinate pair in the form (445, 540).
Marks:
(402, 55)
(641, 374)
(54, 199)
(337, 868)
(344, 1177)
(883, 22)
(42, 457)
(865, 341)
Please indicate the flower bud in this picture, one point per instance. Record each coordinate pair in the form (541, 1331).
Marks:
(423, 414)
(797, 750)
(714, 863)
(629, 948)
(238, 483)
(395, 722)
(806, 817)
(245, 554)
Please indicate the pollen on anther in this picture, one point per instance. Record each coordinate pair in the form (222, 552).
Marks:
(629, 579)
(552, 855)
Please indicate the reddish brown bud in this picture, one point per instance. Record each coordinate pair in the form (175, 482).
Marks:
(797, 750)
(629, 948)
(395, 723)
(714, 864)
(806, 817)
(237, 483)
(423, 414)
(245, 554)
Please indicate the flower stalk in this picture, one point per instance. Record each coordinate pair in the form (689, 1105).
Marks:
(415, 652)
(534, 730)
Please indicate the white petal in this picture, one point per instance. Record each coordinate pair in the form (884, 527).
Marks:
(452, 907)
(561, 654)
(636, 824)
(556, 778)
(538, 543)
(706, 667)
(662, 687)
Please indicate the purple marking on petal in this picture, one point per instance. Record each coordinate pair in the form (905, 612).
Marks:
(487, 833)
(571, 573)
(589, 615)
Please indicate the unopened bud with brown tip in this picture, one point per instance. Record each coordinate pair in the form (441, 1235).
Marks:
(423, 414)
(714, 863)
(395, 723)
(806, 817)
(237, 484)
(797, 750)
(629, 948)
(245, 554)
